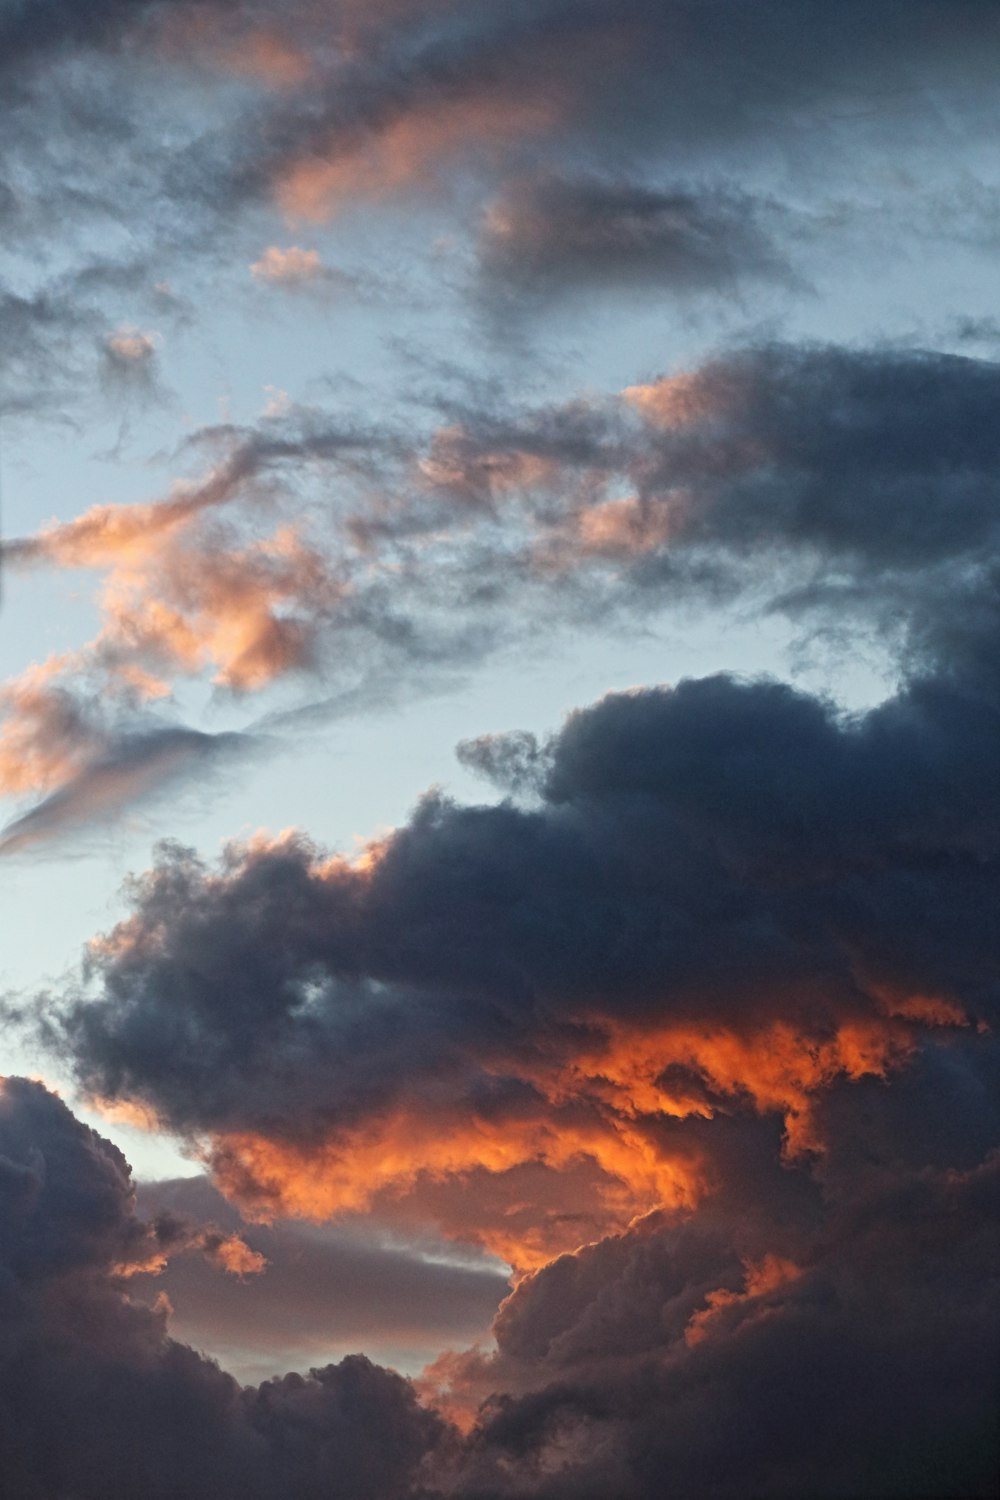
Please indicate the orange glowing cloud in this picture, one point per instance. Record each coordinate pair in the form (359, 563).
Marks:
(291, 267)
(406, 150)
(762, 1277)
(674, 401)
(43, 739)
(233, 1255)
(122, 535)
(574, 1136)
(596, 1109)
(622, 528)
(779, 1068)
(347, 1172)
(175, 601)
(132, 346)
(454, 464)
(129, 1112)
(598, 1106)
(221, 610)
(103, 535)
(228, 1252)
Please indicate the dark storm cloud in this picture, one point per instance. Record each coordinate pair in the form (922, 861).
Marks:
(712, 1000)
(723, 849)
(878, 457)
(723, 853)
(765, 1402)
(736, 1352)
(730, 1351)
(96, 1400)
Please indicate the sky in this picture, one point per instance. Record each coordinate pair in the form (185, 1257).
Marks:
(500, 749)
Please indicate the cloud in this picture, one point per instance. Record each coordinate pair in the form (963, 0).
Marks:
(297, 268)
(412, 88)
(39, 358)
(99, 1399)
(696, 1028)
(179, 598)
(404, 149)
(514, 762)
(847, 489)
(131, 347)
(130, 362)
(47, 731)
(611, 1365)
(551, 235)
(608, 1392)
(327, 1289)
(726, 898)
(130, 764)
(291, 265)
(322, 110)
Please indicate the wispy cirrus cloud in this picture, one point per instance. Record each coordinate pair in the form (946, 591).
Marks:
(810, 480)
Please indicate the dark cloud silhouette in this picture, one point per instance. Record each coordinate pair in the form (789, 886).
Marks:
(828, 837)
(734, 1350)
(97, 1400)
(774, 1344)
(876, 471)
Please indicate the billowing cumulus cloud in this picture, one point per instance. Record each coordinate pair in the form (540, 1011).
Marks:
(726, 897)
(710, 1008)
(98, 1400)
(712, 1356)
(611, 1365)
